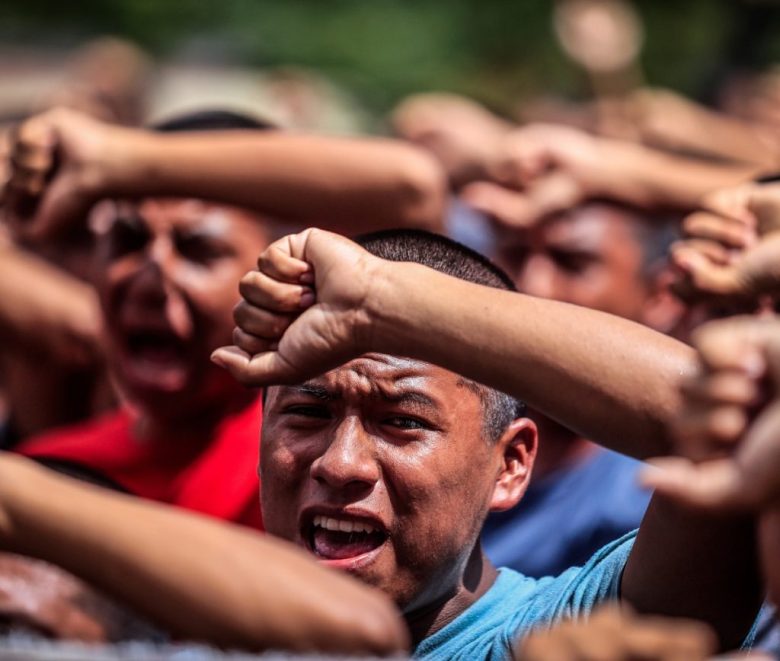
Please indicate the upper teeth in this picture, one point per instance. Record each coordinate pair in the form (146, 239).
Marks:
(339, 525)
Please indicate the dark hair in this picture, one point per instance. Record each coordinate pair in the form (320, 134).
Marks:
(452, 258)
(212, 120)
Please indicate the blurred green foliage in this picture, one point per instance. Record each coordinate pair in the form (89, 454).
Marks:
(494, 50)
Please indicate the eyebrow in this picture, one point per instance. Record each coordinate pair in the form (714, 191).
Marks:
(327, 395)
(318, 392)
(408, 397)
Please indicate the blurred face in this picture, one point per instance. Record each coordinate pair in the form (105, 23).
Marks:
(588, 257)
(169, 272)
(380, 468)
(38, 598)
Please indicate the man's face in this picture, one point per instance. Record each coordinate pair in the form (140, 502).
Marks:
(588, 257)
(168, 280)
(380, 468)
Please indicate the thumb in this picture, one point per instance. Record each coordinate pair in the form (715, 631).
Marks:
(705, 274)
(60, 206)
(764, 203)
(509, 207)
(263, 369)
(714, 485)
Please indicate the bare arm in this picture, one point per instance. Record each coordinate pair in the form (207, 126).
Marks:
(696, 565)
(45, 309)
(607, 378)
(201, 578)
(347, 184)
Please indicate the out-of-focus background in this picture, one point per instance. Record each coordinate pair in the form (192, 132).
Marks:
(340, 65)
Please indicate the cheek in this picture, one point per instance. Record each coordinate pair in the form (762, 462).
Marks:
(441, 504)
(213, 296)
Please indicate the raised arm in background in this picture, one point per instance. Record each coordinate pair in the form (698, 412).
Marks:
(347, 184)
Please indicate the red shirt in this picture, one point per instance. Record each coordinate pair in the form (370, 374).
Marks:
(218, 478)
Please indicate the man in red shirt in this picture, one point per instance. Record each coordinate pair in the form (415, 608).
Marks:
(166, 274)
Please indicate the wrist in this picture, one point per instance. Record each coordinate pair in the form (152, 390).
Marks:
(389, 306)
(121, 159)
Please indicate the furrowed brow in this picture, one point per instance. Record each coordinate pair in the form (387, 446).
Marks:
(409, 397)
(316, 391)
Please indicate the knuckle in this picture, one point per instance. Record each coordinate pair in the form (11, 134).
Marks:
(248, 283)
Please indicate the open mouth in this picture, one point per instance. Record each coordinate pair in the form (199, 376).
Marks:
(155, 347)
(154, 359)
(340, 539)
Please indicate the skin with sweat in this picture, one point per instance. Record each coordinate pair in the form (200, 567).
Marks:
(380, 468)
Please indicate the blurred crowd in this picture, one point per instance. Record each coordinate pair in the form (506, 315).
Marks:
(516, 396)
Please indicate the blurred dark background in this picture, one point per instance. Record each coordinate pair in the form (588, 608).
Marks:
(497, 51)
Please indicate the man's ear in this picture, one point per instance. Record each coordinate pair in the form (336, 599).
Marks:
(662, 310)
(517, 450)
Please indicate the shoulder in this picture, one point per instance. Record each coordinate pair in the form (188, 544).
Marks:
(516, 604)
(77, 435)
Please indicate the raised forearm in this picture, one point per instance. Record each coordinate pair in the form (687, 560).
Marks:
(200, 578)
(654, 178)
(46, 309)
(609, 379)
(349, 185)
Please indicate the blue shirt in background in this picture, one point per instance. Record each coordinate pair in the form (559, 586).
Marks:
(567, 516)
(515, 604)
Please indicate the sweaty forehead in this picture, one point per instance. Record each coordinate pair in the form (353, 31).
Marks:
(589, 227)
(381, 376)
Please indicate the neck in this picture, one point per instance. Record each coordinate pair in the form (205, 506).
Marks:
(477, 578)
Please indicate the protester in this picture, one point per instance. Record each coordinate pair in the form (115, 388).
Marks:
(521, 334)
(168, 269)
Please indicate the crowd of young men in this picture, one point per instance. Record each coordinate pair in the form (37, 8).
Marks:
(409, 388)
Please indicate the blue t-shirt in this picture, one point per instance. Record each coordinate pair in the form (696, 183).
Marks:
(567, 516)
(515, 604)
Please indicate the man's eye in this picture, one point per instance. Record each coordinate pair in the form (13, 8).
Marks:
(571, 262)
(200, 250)
(405, 422)
(308, 411)
(126, 237)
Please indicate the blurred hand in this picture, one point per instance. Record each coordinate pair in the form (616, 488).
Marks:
(732, 249)
(47, 311)
(729, 423)
(544, 169)
(536, 150)
(615, 634)
(55, 173)
(301, 312)
(464, 136)
(45, 599)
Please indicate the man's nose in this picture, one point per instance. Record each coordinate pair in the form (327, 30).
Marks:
(151, 281)
(349, 461)
(537, 277)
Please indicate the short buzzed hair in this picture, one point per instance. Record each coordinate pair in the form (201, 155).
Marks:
(211, 119)
(456, 260)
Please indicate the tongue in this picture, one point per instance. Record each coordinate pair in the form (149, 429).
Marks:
(334, 545)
